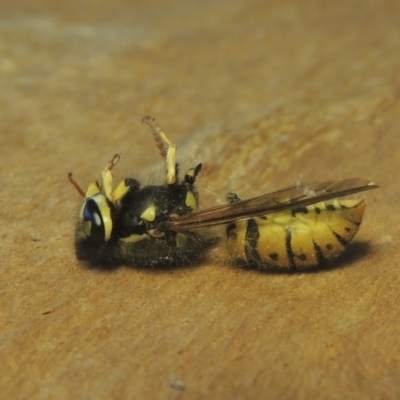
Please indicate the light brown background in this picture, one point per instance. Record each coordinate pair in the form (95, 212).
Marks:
(264, 94)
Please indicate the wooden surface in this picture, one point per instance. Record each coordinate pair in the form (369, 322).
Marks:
(264, 94)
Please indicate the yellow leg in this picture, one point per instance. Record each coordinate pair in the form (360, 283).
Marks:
(106, 177)
(168, 153)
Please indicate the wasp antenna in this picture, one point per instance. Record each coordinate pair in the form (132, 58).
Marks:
(75, 184)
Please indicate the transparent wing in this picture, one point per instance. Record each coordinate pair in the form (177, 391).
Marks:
(291, 197)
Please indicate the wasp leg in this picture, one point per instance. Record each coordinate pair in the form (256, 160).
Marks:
(191, 175)
(106, 177)
(122, 188)
(169, 153)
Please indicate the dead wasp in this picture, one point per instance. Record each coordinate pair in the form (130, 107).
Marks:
(299, 227)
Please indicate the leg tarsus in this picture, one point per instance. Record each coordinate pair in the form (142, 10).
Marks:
(168, 152)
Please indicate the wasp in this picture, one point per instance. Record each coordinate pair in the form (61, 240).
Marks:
(298, 227)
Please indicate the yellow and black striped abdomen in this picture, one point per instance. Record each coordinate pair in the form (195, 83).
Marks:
(299, 238)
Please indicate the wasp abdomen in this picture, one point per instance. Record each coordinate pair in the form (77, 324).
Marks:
(296, 239)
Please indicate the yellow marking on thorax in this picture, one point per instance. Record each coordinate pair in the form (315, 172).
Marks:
(191, 200)
(149, 214)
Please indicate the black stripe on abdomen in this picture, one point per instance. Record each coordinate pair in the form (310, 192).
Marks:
(250, 246)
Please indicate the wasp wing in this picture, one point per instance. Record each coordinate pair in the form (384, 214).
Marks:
(302, 194)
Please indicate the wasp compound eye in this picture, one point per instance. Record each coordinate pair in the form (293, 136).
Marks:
(92, 214)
